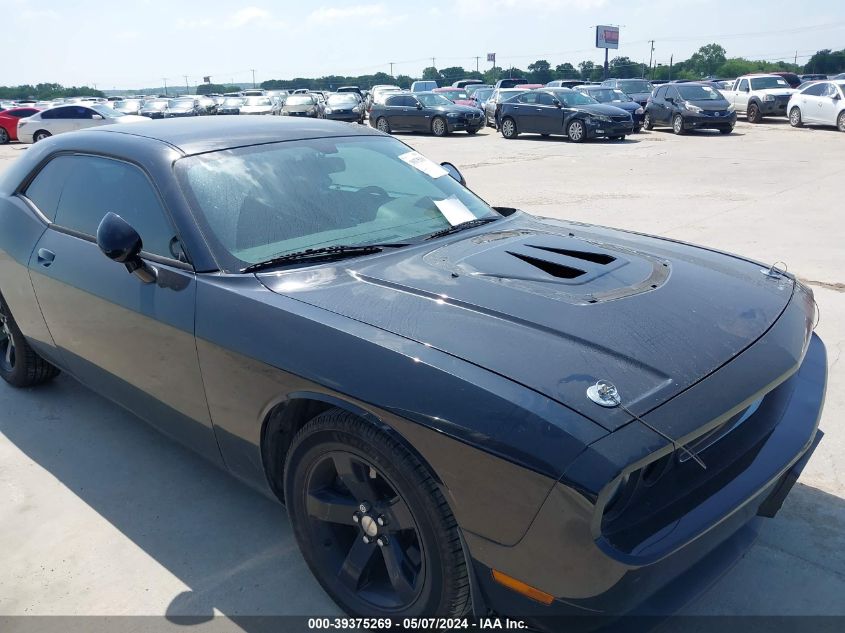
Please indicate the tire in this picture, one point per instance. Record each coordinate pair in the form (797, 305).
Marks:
(4, 136)
(637, 129)
(472, 130)
(439, 127)
(840, 121)
(576, 131)
(342, 476)
(40, 135)
(795, 119)
(678, 124)
(753, 113)
(382, 125)
(545, 135)
(509, 129)
(648, 124)
(726, 130)
(20, 366)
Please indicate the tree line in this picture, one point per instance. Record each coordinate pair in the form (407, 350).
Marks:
(44, 92)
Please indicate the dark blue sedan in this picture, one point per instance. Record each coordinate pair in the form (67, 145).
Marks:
(618, 99)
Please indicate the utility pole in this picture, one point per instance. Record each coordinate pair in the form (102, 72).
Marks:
(796, 58)
(187, 87)
(164, 79)
(671, 59)
(433, 65)
(391, 68)
(253, 77)
(650, 58)
(476, 64)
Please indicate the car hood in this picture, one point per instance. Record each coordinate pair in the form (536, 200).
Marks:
(711, 105)
(601, 108)
(628, 106)
(453, 107)
(299, 108)
(638, 96)
(557, 306)
(777, 92)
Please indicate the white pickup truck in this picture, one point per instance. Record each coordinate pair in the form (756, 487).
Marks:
(759, 95)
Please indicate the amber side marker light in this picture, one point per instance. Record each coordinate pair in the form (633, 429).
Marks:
(520, 587)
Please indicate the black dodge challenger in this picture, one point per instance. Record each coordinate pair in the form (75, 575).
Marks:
(464, 408)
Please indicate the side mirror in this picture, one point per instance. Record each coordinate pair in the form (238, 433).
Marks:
(836, 97)
(97, 117)
(558, 104)
(454, 172)
(746, 89)
(419, 106)
(122, 244)
(670, 100)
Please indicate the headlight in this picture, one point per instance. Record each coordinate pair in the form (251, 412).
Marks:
(285, 113)
(452, 115)
(602, 118)
(731, 107)
(692, 108)
(768, 98)
(329, 110)
(356, 109)
(639, 111)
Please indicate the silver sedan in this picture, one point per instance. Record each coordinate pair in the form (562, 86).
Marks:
(67, 118)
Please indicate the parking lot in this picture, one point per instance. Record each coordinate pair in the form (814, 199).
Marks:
(103, 516)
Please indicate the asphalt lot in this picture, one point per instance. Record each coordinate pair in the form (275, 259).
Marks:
(100, 515)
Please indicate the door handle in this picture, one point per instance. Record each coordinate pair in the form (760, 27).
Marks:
(45, 257)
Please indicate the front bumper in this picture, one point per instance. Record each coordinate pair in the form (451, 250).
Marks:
(594, 581)
(598, 129)
(774, 108)
(707, 121)
(349, 117)
(153, 115)
(466, 122)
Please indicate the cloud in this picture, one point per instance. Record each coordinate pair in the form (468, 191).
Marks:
(246, 17)
(37, 15)
(480, 7)
(333, 14)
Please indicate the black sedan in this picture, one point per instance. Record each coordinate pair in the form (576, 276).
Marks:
(154, 108)
(565, 112)
(689, 106)
(616, 98)
(425, 112)
(231, 105)
(464, 408)
(182, 107)
(344, 106)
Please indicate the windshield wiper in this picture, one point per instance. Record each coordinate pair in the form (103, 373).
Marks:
(327, 253)
(460, 227)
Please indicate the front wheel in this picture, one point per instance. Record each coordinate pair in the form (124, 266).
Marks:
(753, 114)
(372, 523)
(678, 124)
(576, 131)
(382, 125)
(4, 136)
(20, 366)
(840, 121)
(509, 129)
(795, 117)
(648, 124)
(439, 127)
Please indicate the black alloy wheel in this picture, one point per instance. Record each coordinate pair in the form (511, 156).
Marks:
(382, 125)
(576, 131)
(371, 522)
(648, 124)
(753, 113)
(20, 366)
(439, 126)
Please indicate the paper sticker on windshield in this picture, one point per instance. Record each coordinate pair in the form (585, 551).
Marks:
(425, 165)
(454, 211)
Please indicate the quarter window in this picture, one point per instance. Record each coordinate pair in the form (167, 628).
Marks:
(77, 191)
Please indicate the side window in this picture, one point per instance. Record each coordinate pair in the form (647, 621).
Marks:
(814, 90)
(661, 93)
(410, 101)
(55, 113)
(94, 186)
(46, 188)
(829, 90)
(673, 92)
(83, 113)
(743, 85)
(544, 98)
(528, 97)
(393, 101)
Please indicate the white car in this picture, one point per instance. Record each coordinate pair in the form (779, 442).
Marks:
(67, 118)
(820, 103)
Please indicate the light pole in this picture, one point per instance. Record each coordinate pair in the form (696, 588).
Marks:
(187, 87)
(253, 77)
(164, 79)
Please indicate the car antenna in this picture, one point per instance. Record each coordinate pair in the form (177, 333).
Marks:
(605, 394)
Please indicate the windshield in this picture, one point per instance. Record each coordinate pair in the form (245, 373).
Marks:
(233, 101)
(300, 100)
(763, 83)
(433, 99)
(130, 104)
(181, 103)
(607, 95)
(634, 85)
(257, 101)
(156, 105)
(699, 93)
(342, 99)
(573, 98)
(482, 94)
(106, 111)
(255, 203)
(454, 94)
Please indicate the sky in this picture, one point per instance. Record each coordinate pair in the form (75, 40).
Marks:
(135, 44)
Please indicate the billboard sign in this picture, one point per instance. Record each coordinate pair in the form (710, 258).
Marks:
(491, 57)
(607, 36)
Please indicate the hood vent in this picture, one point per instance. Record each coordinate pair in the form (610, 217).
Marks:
(555, 270)
(596, 258)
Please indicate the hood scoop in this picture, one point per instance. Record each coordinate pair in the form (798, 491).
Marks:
(570, 268)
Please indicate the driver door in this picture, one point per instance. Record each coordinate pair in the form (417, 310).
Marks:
(129, 340)
(828, 104)
(549, 115)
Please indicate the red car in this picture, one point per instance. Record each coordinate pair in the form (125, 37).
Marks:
(9, 123)
(456, 95)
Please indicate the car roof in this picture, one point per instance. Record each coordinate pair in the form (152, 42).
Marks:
(208, 134)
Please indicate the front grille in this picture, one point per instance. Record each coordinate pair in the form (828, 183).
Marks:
(620, 118)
